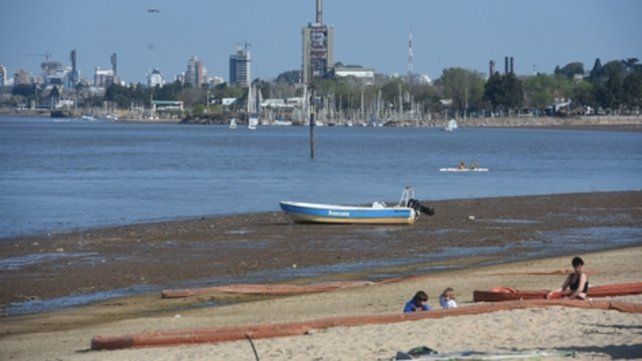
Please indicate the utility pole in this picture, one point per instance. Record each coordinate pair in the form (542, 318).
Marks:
(312, 110)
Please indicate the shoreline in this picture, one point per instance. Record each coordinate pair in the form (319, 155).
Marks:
(61, 334)
(268, 247)
(631, 123)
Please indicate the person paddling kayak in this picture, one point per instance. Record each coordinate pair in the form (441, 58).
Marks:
(576, 284)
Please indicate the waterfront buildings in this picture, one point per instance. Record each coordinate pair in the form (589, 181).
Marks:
(195, 74)
(103, 78)
(241, 67)
(359, 72)
(318, 48)
(22, 77)
(155, 78)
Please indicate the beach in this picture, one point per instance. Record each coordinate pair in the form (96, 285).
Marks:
(592, 334)
(478, 244)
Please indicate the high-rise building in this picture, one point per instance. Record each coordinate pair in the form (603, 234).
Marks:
(318, 48)
(21, 77)
(74, 76)
(190, 72)
(154, 78)
(3, 76)
(201, 74)
(241, 67)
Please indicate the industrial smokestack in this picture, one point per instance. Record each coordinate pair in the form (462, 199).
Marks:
(505, 65)
(512, 70)
(319, 11)
(491, 68)
(73, 60)
(114, 63)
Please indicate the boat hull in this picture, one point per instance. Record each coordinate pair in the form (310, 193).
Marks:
(320, 213)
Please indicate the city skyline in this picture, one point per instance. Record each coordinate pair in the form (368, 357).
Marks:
(460, 33)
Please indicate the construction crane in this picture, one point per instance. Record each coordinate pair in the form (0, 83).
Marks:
(45, 55)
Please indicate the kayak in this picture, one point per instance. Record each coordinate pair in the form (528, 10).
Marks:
(498, 294)
(463, 170)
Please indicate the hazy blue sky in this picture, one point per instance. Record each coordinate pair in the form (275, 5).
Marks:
(540, 33)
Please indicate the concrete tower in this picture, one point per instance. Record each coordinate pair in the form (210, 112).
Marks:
(318, 48)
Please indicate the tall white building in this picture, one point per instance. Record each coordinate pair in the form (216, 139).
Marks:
(103, 78)
(3, 76)
(154, 78)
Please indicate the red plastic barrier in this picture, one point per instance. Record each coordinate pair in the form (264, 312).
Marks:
(498, 294)
(234, 333)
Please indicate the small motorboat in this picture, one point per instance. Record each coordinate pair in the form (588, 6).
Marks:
(405, 212)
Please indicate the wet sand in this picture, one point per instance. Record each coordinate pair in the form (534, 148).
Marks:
(268, 247)
(593, 334)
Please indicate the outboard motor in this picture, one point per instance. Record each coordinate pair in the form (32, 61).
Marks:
(414, 204)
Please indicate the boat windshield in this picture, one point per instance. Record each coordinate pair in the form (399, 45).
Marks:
(406, 196)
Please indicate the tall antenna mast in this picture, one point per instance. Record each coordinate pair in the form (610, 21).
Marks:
(319, 17)
(411, 55)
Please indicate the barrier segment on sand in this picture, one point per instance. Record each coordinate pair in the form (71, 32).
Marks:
(263, 289)
(234, 333)
(498, 294)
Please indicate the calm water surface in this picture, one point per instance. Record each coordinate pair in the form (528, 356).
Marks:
(57, 176)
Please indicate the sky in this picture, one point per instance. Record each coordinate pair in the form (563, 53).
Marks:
(539, 34)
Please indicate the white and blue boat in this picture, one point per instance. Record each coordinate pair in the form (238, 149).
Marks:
(406, 212)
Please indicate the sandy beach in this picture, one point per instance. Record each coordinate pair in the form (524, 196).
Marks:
(501, 222)
(593, 334)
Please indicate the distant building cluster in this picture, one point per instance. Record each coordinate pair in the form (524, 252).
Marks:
(317, 55)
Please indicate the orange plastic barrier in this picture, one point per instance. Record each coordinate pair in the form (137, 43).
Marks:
(498, 294)
(260, 289)
(234, 333)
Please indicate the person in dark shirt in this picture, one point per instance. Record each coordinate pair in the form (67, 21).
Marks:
(576, 285)
(418, 303)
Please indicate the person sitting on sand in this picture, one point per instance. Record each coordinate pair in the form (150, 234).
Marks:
(418, 303)
(447, 299)
(576, 284)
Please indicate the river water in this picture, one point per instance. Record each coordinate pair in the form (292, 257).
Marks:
(62, 175)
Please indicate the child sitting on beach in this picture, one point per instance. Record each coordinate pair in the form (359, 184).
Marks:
(576, 285)
(418, 303)
(447, 299)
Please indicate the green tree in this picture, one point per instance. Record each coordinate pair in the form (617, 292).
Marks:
(465, 88)
(290, 77)
(570, 70)
(632, 90)
(539, 91)
(609, 86)
(596, 72)
(493, 91)
(512, 92)
(583, 94)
